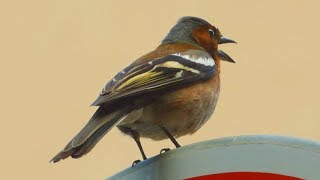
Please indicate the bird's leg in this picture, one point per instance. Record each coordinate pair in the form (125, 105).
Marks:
(174, 141)
(136, 136)
(141, 151)
(140, 148)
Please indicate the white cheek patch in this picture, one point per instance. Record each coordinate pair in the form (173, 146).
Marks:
(201, 60)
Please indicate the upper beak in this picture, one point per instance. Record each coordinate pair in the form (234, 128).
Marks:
(222, 55)
(225, 57)
(226, 40)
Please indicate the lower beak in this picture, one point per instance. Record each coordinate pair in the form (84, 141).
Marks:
(225, 57)
(224, 40)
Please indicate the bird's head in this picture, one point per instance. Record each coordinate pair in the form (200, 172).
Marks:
(198, 32)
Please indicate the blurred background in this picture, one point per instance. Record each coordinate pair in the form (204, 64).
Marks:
(56, 56)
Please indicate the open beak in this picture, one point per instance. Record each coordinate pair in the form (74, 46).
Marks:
(222, 55)
(224, 40)
(225, 57)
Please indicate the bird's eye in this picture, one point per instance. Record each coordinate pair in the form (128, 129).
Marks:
(211, 33)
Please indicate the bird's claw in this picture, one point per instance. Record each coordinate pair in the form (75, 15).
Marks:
(164, 150)
(135, 162)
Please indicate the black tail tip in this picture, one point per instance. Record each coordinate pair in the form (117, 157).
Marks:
(56, 158)
(60, 156)
(53, 161)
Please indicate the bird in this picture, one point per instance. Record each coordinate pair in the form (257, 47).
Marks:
(167, 93)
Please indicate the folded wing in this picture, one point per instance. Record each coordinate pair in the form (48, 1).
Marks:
(158, 74)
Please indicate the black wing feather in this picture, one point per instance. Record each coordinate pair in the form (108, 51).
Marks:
(161, 73)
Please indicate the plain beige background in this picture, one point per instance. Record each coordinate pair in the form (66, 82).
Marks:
(57, 55)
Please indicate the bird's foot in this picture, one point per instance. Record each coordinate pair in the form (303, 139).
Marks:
(135, 162)
(164, 150)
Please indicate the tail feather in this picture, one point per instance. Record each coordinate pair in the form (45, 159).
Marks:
(99, 124)
(94, 138)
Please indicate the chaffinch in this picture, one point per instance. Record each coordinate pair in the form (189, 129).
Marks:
(167, 93)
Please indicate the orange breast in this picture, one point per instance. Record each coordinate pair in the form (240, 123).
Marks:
(185, 110)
